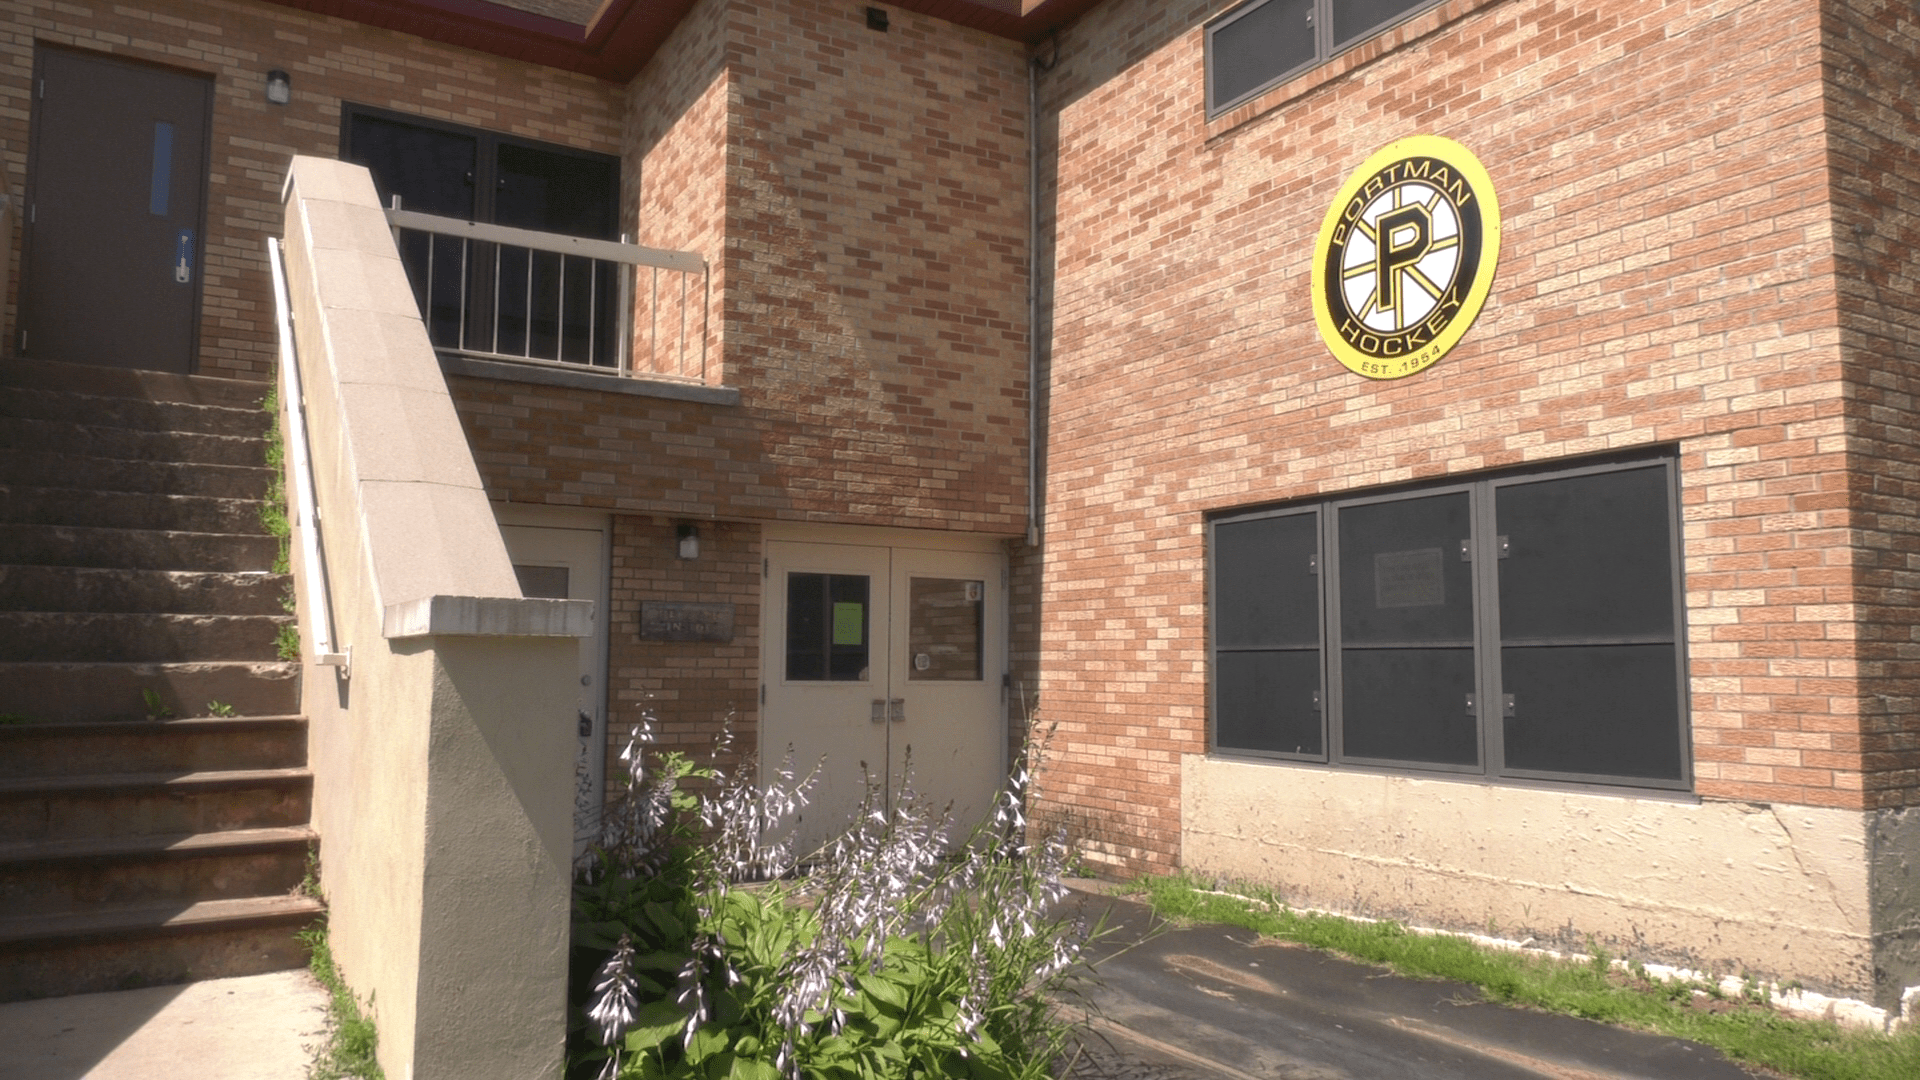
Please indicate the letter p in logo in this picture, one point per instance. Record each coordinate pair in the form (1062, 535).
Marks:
(1406, 235)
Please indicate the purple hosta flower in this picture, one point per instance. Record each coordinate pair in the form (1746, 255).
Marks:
(611, 1008)
(972, 1005)
(747, 823)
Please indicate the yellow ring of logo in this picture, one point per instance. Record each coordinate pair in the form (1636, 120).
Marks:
(1406, 257)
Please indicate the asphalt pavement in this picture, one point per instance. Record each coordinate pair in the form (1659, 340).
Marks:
(1219, 1003)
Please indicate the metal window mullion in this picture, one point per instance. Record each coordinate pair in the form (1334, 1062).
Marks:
(593, 309)
(1677, 587)
(466, 286)
(1332, 696)
(1489, 690)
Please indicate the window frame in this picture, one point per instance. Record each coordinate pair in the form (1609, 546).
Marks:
(1325, 49)
(1484, 540)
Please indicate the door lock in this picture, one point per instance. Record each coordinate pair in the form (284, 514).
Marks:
(586, 724)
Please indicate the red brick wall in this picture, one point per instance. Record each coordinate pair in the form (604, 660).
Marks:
(329, 60)
(1873, 138)
(1665, 279)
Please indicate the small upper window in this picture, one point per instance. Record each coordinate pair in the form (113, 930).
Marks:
(1262, 42)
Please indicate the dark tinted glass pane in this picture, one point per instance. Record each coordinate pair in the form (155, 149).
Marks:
(559, 193)
(431, 170)
(1354, 18)
(1601, 711)
(944, 621)
(1587, 557)
(1259, 46)
(1265, 592)
(1409, 705)
(1401, 577)
(827, 621)
(545, 582)
(1264, 701)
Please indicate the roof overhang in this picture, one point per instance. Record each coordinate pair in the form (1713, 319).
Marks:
(624, 34)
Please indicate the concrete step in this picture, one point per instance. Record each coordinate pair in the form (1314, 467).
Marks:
(29, 467)
(128, 383)
(121, 637)
(73, 875)
(112, 692)
(119, 948)
(47, 808)
(249, 421)
(180, 592)
(134, 549)
(196, 744)
(129, 510)
(65, 437)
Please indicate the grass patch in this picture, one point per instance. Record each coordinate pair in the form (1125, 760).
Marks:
(348, 1053)
(1745, 1031)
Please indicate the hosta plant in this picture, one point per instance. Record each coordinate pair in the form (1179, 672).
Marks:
(705, 949)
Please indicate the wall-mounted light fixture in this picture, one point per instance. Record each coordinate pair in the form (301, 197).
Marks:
(877, 19)
(279, 87)
(689, 541)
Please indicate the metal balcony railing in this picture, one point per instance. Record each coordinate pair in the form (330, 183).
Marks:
(501, 293)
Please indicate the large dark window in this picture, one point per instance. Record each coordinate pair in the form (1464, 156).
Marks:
(486, 298)
(1263, 41)
(1520, 626)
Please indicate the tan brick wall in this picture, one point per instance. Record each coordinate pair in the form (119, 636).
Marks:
(1873, 137)
(1665, 280)
(694, 689)
(330, 60)
(862, 199)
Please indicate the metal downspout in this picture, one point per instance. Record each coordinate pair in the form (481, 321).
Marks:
(1035, 67)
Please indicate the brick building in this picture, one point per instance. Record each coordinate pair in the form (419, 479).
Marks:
(1275, 609)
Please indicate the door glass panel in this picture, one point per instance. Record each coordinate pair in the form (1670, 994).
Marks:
(944, 629)
(1406, 631)
(542, 582)
(828, 619)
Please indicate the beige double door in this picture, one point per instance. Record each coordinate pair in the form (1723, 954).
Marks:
(884, 670)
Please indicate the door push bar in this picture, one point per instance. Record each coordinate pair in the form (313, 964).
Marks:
(885, 709)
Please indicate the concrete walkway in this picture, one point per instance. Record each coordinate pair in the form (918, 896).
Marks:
(258, 1027)
(1217, 1003)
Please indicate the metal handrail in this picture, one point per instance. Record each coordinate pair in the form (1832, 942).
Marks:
(306, 510)
(626, 256)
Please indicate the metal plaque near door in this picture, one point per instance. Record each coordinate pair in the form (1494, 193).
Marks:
(114, 215)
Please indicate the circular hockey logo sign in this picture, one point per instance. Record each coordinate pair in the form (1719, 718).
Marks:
(1406, 257)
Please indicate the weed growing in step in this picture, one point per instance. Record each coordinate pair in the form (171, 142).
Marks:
(219, 708)
(701, 952)
(286, 642)
(14, 718)
(1744, 1030)
(156, 708)
(273, 510)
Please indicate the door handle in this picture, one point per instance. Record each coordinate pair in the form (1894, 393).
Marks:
(586, 724)
(897, 709)
(879, 711)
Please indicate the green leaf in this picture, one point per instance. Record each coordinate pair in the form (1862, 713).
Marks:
(752, 1069)
(664, 920)
(656, 1022)
(884, 991)
(706, 1042)
(746, 1044)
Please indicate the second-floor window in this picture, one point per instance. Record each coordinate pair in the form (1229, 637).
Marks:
(1263, 42)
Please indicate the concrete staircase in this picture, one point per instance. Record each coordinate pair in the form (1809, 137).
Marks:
(138, 849)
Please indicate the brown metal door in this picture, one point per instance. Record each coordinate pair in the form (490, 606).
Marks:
(116, 189)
